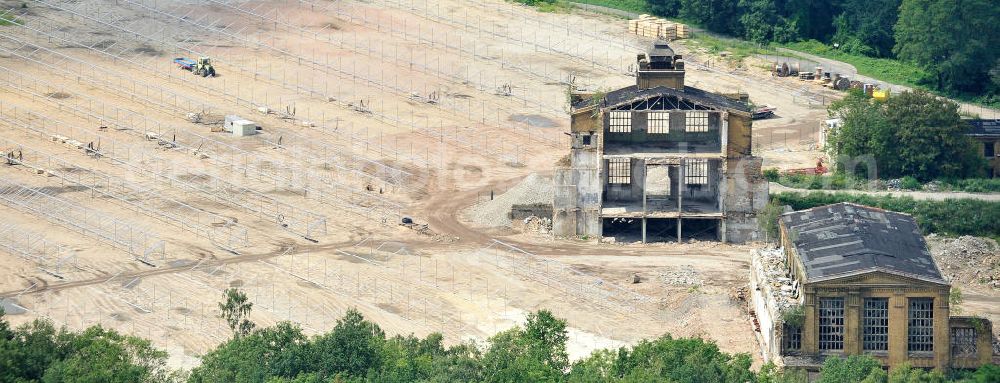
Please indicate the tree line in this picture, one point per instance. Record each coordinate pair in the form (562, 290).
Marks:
(358, 350)
(953, 41)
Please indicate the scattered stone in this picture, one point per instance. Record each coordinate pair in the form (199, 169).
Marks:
(967, 259)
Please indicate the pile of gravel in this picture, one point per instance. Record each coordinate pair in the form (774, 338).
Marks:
(496, 213)
(968, 259)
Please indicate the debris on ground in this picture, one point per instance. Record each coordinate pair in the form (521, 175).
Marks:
(684, 276)
(967, 259)
(541, 225)
(496, 213)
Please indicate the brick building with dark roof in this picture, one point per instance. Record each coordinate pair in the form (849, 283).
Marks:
(862, 282)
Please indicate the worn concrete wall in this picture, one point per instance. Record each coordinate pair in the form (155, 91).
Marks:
(654, 78)
(586, 120)
(740, 138)
(522, 211)
(746, 193)
(577, 197)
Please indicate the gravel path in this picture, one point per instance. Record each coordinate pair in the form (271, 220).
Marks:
(923, 195)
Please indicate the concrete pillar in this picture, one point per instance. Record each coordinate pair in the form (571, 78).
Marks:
(810, 325)
(898, 324)
(852, 323)
(680, 199)
(643, 229)
(942, 332)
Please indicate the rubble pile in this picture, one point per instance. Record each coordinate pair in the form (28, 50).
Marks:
(967, 259)
(774, 282)
(685, 276)
(541, 225)
(496, 213)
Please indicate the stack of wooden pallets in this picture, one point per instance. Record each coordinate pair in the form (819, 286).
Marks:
(654, 27)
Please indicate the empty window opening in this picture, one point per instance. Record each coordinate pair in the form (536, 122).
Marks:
(696, 121)
(792, 340)
(920, 332)
(876, 324)
(621, 122)
(588, 139)
(696, 172)
(963, 342)
(659, 122)
(988, 150)
(831, 323)
(619, 171)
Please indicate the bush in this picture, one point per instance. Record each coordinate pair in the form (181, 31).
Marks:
(772, 174)
(909, 183)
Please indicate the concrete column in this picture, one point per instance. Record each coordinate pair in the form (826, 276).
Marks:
(852, 323)
(680, 199)
(942, 332)
(810, 325)
(643, 229)
(898, 324)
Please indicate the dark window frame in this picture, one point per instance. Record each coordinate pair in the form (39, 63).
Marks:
(920, 325)
(875, 325)
(620, 171)
(831, 323)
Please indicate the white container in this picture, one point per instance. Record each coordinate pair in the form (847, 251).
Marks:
(242, 128)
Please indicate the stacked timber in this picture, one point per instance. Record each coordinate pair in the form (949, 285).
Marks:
(657, 28)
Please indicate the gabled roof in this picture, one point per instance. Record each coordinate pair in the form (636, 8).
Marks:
(845, 239)
(984, 128)
(631, 93)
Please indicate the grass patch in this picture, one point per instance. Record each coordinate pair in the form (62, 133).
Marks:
(8, 18)
(952, 217)
(637, 6)
(550, 6)
(737, 50)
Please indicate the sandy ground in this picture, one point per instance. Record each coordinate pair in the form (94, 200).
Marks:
(374, 111)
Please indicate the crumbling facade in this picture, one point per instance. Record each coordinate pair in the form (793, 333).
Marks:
(987, 136)
(659, 161)
(852, 279)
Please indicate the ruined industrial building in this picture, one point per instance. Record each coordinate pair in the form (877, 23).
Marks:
(660, 161)
(851, 279)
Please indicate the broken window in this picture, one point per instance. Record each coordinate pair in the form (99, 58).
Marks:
(621, 122)
(875, 324)
(920, 332)
(696, 171)
(963, 342)
(696, 121)
(792, 338)
(659, 122)
(619, 171)
(988, 150)
(831, 323)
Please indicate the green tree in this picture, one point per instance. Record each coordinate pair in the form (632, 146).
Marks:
(235, 310)
(353, 347)
(865, 27)
(681, 360)
(763, 24)
(908, 374)
(536, 353)
(104, 356)
(277, 351)
(954, 41)
(854, 368)
(813, 17)
(722, 16)
(665, 8)
(914, 134)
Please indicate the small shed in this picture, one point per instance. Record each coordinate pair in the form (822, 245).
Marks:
(239, 126)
